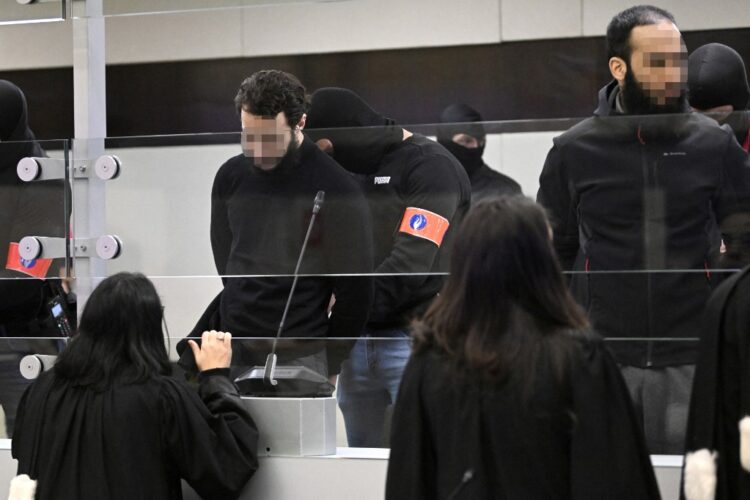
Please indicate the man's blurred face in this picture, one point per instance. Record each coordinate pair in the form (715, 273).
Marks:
(267, 140)
(658, 65)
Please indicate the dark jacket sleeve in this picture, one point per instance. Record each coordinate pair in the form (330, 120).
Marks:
(40, 212)
(352, 255)
(733, 197)
(212, 442)
(221, 234)
(608, 451)
(431, 184)
(411, 466)
(556, 195)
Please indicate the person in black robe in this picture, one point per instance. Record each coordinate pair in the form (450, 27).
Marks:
(508, 394)
(721, 398)
(36, 208)
(108, 421)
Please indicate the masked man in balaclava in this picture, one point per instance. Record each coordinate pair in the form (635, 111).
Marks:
(417, 193)
(461, 132)
(717, 84)
(26, 287)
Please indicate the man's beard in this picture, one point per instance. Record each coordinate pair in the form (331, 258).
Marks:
(271, 162)
(636, 102)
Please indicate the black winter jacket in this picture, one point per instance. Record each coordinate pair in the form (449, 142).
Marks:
(635, 203)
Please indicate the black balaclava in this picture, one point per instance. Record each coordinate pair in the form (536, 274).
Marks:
(360, 135)
(462, 119)
(716, 77)
(14, 127)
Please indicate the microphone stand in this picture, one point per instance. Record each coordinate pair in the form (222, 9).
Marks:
(287, 380)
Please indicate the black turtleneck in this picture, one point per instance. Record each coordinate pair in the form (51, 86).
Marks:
(258, 224)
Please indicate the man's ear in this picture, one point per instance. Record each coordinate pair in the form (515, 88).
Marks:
(301, 123)
(618, 68)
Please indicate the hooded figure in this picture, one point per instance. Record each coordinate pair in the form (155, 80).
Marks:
(360, 135)
(36, 208)
(717, 80)
(417, 193)
(16, 141)
(464, 136)
(24, 208)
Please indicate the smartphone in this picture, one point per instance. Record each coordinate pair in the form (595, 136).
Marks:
(59, 315)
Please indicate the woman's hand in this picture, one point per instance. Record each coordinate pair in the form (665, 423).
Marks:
(215, 350)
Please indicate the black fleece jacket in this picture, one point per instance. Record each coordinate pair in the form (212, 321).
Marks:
(635, 202)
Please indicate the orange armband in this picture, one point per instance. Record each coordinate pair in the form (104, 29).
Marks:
(424, 224)
(37, 267)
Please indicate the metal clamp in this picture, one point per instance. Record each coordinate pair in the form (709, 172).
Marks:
(33, 365)
(106, 168)
(40, 169)
(105, 247)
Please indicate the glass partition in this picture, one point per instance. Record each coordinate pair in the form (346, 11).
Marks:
(646, 217)
(27, 11)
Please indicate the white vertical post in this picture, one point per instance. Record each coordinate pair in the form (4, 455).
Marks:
(90, 114)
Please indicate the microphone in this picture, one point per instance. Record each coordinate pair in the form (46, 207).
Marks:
(298, 381)
(468, 476)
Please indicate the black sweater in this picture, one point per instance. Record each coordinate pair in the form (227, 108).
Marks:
(258, 224)
(418, 173)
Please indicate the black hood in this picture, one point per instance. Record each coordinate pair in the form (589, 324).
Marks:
(359, 134)
(645, 128)
(14, 126)
(462, 119)
(716, 77)
(608, 100)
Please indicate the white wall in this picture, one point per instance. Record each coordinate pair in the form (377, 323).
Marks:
(283, 28)
(160, 208)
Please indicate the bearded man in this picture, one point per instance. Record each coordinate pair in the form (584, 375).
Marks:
(637, 195)
(261, 206)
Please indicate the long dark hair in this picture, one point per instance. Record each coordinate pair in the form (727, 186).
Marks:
(120, 336)
(505, 302)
